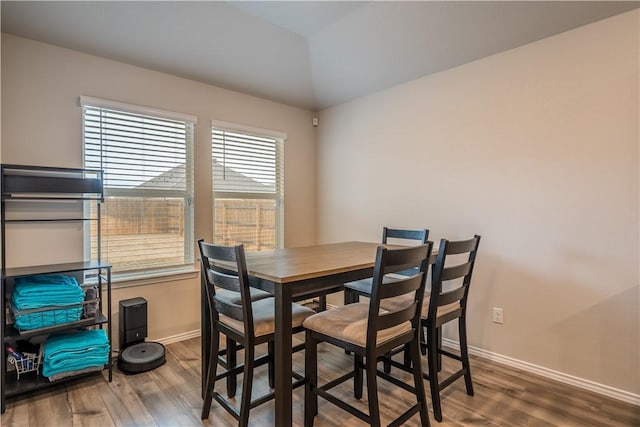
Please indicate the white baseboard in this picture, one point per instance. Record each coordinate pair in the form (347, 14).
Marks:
(179, 337)
(582, 383)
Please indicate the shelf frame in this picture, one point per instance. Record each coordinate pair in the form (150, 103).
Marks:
(12, 333)
(26, 183)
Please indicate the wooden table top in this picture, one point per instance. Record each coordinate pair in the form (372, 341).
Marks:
(294, 264)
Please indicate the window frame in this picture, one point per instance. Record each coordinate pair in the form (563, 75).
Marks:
(278, 196)
(141, 276)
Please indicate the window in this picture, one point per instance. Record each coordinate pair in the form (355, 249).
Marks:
(248, 193)
(147, 159)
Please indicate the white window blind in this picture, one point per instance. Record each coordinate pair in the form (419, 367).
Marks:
(248, 189)
(147, 159)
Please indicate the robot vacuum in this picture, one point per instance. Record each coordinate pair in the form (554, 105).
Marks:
(137, 355)
(141, 357)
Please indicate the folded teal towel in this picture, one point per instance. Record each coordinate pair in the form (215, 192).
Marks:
(46, 290)
(43, 291)
(62, 343)
(70, 364)
(76, 351)
(47, 278)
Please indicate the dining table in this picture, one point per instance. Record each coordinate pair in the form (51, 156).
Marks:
(294, 274)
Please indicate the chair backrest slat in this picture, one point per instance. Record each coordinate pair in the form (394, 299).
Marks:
(219, 253)
(389, 260)
(394, 233)
(228, 308)
(462, 246)
(399, 287)
(389, 320)
(224, 279)
(456, 272)
(449, 297)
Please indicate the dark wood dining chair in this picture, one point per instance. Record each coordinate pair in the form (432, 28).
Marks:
(354, 290)
(442, 305)
(246, 322)
(446, 305)
(369, 333)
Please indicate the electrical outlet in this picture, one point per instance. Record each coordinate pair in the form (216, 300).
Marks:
(498, 315)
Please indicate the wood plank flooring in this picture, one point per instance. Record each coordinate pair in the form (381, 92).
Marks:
(170, 396)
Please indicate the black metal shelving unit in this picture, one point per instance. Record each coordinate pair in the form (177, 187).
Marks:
(27, 184)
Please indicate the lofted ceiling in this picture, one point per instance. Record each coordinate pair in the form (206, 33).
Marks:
(309, 54)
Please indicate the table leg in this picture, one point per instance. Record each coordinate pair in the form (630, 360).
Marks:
(283, 363)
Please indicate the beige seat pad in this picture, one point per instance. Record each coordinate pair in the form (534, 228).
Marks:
(234, 297)
(349, 323)
(264, 317)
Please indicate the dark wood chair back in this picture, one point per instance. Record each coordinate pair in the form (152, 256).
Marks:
(390, 261)
(395, 233)
(225, 267)
(458, 277)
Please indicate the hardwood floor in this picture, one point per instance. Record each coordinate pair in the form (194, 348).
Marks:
(170, 396)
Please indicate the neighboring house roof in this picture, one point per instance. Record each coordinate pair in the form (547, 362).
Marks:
(233, 180)
(173, 178)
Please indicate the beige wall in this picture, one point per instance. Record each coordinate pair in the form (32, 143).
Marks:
(41, 125)
(536, 149)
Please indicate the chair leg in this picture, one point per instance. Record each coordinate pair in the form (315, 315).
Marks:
(418, 383)
(247, 384)
(386, 364)
(438, 355)
(464, 353)
(372, 391)
(231, 363)
(423, 341)
(350, 297)
(322, 303)
(432, 359)
(211, 374)
(355, 298)
(271, 365)
(407, 360)
(357, 378)
(311, 374)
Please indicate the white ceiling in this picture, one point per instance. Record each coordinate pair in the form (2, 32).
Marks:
(310, 54)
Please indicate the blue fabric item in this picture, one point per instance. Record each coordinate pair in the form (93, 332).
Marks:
(72, 352)
(44, 291)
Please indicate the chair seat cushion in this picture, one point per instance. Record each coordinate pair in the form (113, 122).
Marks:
(349, 323)
(363, 286)
(234, 297)
(397, 303)
(264, 317)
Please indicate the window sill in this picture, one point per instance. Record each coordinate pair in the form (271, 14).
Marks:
(152, 278)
